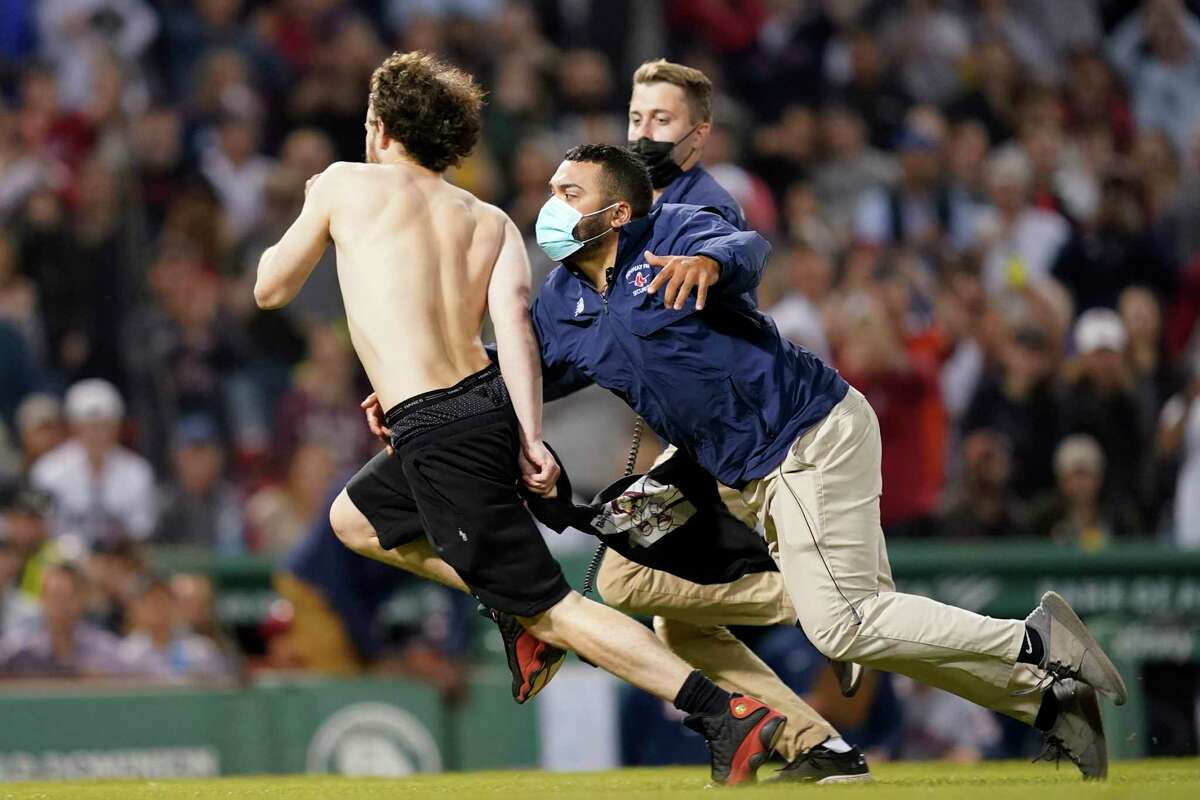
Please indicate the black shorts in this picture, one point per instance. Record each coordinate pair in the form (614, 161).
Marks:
(453, 478)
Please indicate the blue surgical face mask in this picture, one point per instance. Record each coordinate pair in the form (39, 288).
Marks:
(556, 225)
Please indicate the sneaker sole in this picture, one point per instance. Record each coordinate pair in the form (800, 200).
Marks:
(864, 778)
(1090, 710)
(1062, 612)
(541, 678)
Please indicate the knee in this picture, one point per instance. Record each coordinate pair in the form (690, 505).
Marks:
(677, 636)
(550, 625)
(349, 524)
(832, 638)
(615, 586)
(615, 592)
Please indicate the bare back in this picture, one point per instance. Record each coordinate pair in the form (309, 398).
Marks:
(415, 256)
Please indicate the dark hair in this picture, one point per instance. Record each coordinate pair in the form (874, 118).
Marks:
(428, 106)
(625, 175)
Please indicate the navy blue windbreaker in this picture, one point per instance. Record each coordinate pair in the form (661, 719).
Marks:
(698, 188)
(721, 384)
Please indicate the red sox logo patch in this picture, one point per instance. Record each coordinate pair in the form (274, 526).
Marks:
(639, 277)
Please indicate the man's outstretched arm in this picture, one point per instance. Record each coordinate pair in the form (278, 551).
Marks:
(520, 358)
(286, 265)
(707, 252)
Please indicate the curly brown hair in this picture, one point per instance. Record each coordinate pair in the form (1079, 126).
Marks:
(431, 108)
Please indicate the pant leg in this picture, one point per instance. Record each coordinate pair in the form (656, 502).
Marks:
(723, 657)
(690, 618)
(821, 511)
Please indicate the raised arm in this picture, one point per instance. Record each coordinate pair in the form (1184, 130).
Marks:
(520, 359)
(286, 265)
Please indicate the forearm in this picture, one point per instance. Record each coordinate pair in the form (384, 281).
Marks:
(742, 258)
(521, 367)
(271, 287)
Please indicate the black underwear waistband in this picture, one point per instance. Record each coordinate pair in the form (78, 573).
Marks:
(475, 394)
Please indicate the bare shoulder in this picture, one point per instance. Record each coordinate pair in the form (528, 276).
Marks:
(492, 216)
(352, 178)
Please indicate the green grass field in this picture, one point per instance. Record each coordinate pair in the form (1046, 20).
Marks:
(1163, 779)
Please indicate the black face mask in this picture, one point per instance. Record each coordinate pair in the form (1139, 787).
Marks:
(659, 158)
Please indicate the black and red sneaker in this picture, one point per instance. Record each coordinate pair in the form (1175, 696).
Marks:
(740, 739)
(532, 662)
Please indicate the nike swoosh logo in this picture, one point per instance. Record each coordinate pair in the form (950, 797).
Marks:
(1028, 643)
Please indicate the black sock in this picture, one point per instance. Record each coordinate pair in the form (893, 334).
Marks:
(699, 695)
(1048, 713)
(1032, 649)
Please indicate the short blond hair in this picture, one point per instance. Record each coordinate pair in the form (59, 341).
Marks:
(695, 84)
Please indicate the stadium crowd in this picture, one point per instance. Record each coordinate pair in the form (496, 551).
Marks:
(982, 211)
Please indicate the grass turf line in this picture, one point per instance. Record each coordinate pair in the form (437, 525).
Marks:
(1155, 779)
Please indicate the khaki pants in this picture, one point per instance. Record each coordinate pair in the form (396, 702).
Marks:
(820, 508)
(691, 619)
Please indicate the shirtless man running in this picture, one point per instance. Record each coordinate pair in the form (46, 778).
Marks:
(420, 262)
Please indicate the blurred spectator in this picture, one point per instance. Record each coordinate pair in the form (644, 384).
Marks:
(1018, 401)
(1000, 21)
(1179, 437)
(987, 507)
(902, 390)
(942, 726)
(238, 173)
(1095, 98)
(200, 508)
(196, 601)
(850, 168)
(185, 350)
(1155, 378)
(993, 100)
(322, 406)
(1020, 241)
(280, 513)
(74, 33)
(1115, 251)
(872, 89)
(1100, 401)
(1157, 49)
(18, 301)
(28, 538)
(920, 210)
(1079, 513)
(114, 569)
(95, 482)
(932, 40)
(159, 646)
(16, 370)
(61, 644)
(14, 606)
(798, 313)
(159, 163)
(40, 426)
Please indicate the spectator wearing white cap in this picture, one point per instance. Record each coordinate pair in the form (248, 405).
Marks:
(1100, 401)
(1079, 513)
(98, 486)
